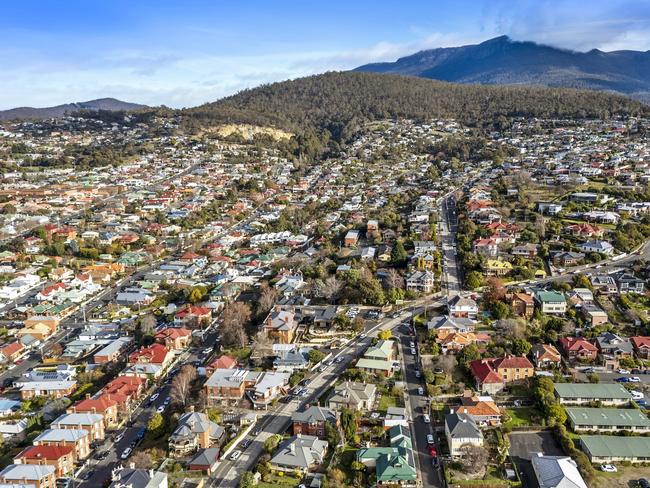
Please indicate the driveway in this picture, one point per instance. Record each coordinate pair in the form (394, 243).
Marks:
(523, 445)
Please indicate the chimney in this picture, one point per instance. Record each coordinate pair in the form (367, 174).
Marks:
(151, 473)
(191, 409)
(451, 411)
(87, 396)
(132, 465)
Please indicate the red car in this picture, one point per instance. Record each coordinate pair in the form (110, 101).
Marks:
(432, 451)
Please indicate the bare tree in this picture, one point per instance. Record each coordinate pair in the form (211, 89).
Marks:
(513, 328)
(182, 385)
(267, 299)
(446, 362)
(394, 279)
(329, 289)
(234, 317)
(142, 460)
(473, 458)
(148, 324)
(540, 226)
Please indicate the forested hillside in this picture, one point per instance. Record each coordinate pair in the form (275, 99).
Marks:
(342, 101)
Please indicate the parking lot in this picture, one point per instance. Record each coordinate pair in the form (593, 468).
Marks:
(523, 445)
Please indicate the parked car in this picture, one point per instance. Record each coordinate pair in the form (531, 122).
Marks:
(246, 443)
(160, 409)
(417, 373)
(637, 395)
(608, 468)
(119, 437)
(623, 371)
(622, 379)
(235, 455)
(643, 483)
(426, 418)
(154, 397)
(432, 451)
(430, 439)
(420, 391)
(126, 453)
(634, 379)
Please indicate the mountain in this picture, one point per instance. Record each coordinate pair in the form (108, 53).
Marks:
(109, 104)
(339, 101)
(503, 61)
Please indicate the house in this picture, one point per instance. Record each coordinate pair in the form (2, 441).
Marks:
(394, 465)
(601, 247)
(375, 366)
(351, 238)
(457, 341)
(383, 350)
(482, 409)
(104, 405)
(13, 430)
(11, 351)
(496, 267)
(460, 307)
(585, 230)
(29, 475)
(268, 387)
(604, 284)
(372, 226)
(549, 208)
(126, 390)
(194, 431)
(641, 346)
(488, 248)
(527, 251)
(93, 423)
(174, 338)
(225, 385)
(578, 349)
(206, 460)
(222, 362)
(460, 430)
(193, 316)
(608, 394)
(325, 317)
(522, 304)
(150, 361)
(299, 454)
(112, 351)
(608, 420)
(56, 389)
(280, 325)
(545, 356)
(59, 457)
(78, 439)
(567, 258)
(628, 283)
(444, 326)
(420, 281)
(556, 472)
(612, 448)
(551, 302)
(396, 416)
(137, 478)
(584, 197)
(312, 420)
(594, 314)
(492, 375)
(8, 407)
(355, 396)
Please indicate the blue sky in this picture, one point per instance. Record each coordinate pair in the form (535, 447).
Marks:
(184, 53)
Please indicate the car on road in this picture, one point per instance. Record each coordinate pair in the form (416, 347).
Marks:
(375, 415)
(623, 371)
(87, 475)
(420, 390)
(126, 453)
(207, 351)
(246, 443)
(235, 455)
(339, 359)
(257, 431)
(432, 451)
(430, 439)
(426, 418)
(154, 397)
(643, 483)
(634, 379)
(412, 344)
(119, 437)
(363, 336)
(160, 409)
(608, 468)
(641, 403)
(417, 373)
(622, 379)
(438, 370)
(413, 351)
(167, 401)
(637, 395)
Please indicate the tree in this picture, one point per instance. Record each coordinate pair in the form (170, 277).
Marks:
(56, 349)
(473, 458)
(468, 354)
(234, 318)
(247, 480)
(332, 435)
(474, 280)
(197, 294)
(330, 289)
(182, 385)
(349, 424)
(514, 328)
(393, 279)
(385, 334)
(495, 291)
(268, 296)
(156, 425)
(520, 347)
(271, 443)
(398, 255)
(315, 356)
(141, 460)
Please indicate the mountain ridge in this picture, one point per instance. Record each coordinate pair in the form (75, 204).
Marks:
(34, 113)
(503, 61)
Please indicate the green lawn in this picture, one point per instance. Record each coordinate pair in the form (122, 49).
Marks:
(287, 481)
(521, 417)
(387, 401)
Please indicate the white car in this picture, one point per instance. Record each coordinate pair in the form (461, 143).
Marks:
(160, 409)
(430, 439)
(119, 437)
(426, 418)
(637, 395)
(154, 396)
(623, 371)
(235, 455)
(420, 391)
(608, 468)
(634, 379)
(412, 345)
(375, 415)
(126, 453)
(413, 351)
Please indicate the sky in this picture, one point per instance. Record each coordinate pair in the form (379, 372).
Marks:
(184, 53)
